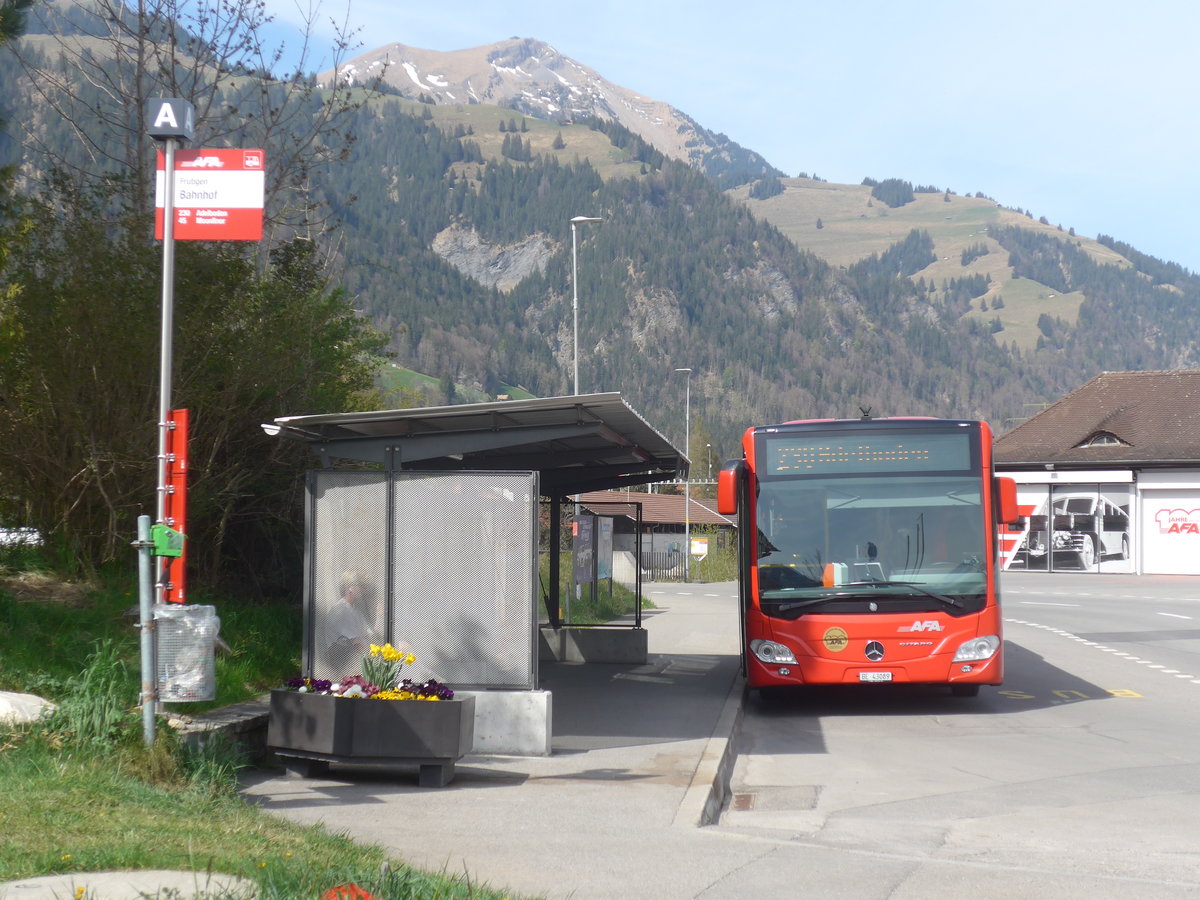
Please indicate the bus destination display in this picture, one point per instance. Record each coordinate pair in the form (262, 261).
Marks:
(832, 454)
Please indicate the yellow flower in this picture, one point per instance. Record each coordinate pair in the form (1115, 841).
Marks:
(391, 654)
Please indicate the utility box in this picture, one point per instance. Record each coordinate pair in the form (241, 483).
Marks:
(187, 637)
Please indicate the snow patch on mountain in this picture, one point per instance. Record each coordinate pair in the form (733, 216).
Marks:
(532, 77)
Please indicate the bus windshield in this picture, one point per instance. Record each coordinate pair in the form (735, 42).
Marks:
(904, 538)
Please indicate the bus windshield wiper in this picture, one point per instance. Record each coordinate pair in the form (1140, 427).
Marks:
(863, 595)
(801, 604)
(915, 585)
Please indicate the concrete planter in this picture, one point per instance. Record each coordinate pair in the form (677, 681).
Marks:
(312, 730)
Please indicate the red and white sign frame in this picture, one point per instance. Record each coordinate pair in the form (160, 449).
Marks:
(218, 195)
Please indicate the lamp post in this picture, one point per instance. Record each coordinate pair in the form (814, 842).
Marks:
(687, 483)
(578, 220)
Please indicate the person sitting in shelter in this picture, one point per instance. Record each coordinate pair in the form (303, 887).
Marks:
(347, 633)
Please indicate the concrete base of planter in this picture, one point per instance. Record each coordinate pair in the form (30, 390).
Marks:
(310, 731)
(430, 773)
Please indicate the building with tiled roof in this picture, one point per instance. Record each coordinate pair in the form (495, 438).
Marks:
(1109, 476)
(655, 526)
(656, 509)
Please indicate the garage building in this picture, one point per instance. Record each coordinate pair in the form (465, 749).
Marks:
(1108, 478)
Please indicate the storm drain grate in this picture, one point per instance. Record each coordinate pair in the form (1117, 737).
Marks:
(743, 802)
(776, 797)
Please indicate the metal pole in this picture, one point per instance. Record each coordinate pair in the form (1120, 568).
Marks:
(168, 323)
(149, 695)
(687, 484)
(574, 311)
(577, 220)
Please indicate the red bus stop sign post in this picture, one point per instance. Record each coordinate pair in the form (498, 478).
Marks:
(218, 195)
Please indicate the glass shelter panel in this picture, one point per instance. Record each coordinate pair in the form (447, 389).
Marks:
(440, 564)
(464, 552)
(347, 572)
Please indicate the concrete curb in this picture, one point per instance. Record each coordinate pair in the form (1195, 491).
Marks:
(709, 789)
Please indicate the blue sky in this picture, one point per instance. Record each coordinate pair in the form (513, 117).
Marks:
(1082, 112)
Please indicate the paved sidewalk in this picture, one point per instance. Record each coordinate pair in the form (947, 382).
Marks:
(148, 884)
(615, 811)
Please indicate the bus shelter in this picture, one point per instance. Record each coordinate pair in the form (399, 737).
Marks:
(422, 528)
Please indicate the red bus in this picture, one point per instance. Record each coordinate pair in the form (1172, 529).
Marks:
(867, 552)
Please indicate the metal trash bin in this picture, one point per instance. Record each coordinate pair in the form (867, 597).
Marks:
(187, 636)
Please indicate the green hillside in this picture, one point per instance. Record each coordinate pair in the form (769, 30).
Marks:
(854, 225)
(402, 388)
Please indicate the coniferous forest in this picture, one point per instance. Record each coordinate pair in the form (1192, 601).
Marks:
(680, 275)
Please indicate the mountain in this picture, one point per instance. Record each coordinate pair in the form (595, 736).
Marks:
(786, 298)
(533, 78)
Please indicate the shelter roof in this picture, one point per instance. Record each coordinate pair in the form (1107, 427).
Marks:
(657, 509)
(576, 444)
(1119, 418)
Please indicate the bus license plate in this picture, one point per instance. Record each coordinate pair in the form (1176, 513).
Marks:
(874, 676)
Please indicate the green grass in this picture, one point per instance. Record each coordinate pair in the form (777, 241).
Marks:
(80, 792)
(721, 562)
(48, 627)
(1024, 303)
(608, 602)
(70, 809)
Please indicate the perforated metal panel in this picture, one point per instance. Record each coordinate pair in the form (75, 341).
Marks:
(446, 564)
(348, 552)
(185, 639)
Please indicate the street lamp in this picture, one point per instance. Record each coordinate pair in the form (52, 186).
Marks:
(578, 220)
(687, 483)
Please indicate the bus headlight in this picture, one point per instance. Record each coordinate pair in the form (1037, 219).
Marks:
(978, 648)
(772, 652)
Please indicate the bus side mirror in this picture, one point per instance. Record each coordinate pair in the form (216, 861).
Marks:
(1006, 494)
(728, 481)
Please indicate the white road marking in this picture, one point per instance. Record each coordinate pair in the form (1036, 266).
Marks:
(1120, 654)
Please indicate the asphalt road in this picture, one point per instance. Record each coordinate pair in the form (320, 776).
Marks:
(1078, 777)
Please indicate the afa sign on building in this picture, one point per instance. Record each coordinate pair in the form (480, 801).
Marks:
(218, 195)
